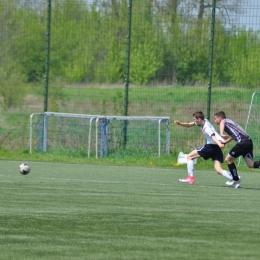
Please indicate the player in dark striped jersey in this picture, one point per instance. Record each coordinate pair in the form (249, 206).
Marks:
(243, 147)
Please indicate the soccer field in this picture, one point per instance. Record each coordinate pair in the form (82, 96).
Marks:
(78, 211)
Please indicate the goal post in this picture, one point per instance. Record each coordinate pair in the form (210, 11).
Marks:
(74, 132)
(253, 124)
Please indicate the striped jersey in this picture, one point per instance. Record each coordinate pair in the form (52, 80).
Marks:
(235, 131)
(208, 130)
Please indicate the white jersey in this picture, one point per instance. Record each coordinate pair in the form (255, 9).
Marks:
(208, 130)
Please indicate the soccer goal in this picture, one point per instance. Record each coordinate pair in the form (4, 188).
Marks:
(70, 133)
(99, 135)
(133, 135)
(253, 124)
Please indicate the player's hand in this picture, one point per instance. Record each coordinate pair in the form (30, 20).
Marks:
(221, 145)
(177, 122)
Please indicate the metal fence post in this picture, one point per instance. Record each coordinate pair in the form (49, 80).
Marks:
(47, 59)
(129, 5)
(211, 53)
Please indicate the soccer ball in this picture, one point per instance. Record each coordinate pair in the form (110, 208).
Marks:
(24, 168)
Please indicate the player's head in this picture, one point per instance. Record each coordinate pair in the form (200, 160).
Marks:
(198, 118)
(198, 115)
(219, 116)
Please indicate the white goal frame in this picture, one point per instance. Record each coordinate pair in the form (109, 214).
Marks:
(248, 117)
(55, 114)
(96, 118)
(151, 118)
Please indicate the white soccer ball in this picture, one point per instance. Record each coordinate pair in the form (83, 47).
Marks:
(24, 168)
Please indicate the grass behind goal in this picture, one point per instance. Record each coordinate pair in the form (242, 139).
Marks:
(77, 211)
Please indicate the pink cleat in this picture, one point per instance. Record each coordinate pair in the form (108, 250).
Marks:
(189, 179)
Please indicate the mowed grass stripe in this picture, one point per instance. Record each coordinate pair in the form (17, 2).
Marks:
(70, 211)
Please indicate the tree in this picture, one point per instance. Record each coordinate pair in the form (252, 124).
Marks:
(168, 7)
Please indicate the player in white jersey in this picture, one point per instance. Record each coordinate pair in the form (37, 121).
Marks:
(212, 148)
(243, 147)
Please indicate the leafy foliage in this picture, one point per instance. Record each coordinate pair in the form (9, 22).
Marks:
(88, 43)
(146, 61)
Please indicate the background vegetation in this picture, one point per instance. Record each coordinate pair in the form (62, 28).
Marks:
(169, 61)
(88, 42)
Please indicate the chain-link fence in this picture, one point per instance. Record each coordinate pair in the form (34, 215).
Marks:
(127, 57)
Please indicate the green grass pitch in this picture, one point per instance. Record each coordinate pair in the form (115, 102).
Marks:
(79, 211)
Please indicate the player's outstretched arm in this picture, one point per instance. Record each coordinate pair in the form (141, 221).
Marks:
(177, 122)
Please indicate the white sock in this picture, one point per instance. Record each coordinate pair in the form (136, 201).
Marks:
(227, 175)
(190, 167)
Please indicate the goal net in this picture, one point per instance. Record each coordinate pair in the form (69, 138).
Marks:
(99, 136)
(62, 133)
(253, 125)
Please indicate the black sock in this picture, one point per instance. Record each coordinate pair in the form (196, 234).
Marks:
(257, 164)
(233, 170)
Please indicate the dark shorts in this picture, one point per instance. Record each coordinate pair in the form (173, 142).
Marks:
(244, 148)
(212, 151)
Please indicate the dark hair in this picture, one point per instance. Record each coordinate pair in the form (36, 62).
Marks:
(199, 114)
(221, 114)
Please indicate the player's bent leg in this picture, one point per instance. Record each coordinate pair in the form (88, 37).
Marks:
(193, 155)
(190, 167)
(232, 167)
(190, 162)
(249, 162)
(218, 167)
(229, 159)
(224, 173)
